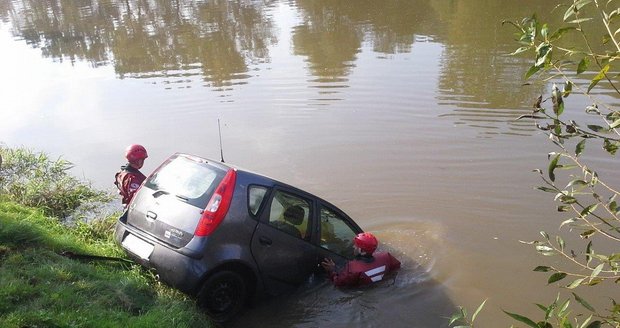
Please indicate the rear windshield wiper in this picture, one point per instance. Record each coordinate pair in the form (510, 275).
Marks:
(164, 192)
(183, 198)
(159, 193)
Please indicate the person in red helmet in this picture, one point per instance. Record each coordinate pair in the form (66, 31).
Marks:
(129, 178)
(367, 266)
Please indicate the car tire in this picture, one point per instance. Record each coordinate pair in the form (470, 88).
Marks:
(223, 295)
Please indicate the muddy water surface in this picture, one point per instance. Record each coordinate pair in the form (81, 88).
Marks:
(402, 113)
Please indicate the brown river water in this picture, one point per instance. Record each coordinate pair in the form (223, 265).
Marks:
(402, 113)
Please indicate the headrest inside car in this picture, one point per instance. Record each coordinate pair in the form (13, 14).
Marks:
(294, 215)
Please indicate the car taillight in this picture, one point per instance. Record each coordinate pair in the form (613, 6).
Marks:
(218, 205)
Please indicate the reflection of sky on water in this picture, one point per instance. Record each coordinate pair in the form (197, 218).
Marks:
(325, 45)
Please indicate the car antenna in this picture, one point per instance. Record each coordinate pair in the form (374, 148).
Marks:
(219, 129)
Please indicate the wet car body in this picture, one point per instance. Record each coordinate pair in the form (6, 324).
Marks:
(225, 234)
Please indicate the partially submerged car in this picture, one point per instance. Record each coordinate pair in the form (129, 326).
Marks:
(225, 235)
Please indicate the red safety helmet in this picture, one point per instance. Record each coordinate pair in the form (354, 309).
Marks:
(135, 153)
(366, 241)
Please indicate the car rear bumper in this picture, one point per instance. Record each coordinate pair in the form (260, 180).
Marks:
(173, 267)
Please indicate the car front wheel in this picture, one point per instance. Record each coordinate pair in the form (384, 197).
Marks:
(223, 295)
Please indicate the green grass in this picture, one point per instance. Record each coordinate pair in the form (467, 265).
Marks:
(34, 179)
(41, 288)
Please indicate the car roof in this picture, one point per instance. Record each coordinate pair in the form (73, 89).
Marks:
(265, 179)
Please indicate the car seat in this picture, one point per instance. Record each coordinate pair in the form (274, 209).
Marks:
(293, 216)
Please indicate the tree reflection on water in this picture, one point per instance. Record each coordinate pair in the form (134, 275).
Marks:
(216, 39)
(222, 42)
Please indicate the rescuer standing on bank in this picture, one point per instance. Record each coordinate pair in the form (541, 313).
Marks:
(129, 178)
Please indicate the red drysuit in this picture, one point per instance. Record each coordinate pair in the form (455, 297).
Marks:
(364, 270)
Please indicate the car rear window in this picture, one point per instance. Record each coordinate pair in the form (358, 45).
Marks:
(190, 180)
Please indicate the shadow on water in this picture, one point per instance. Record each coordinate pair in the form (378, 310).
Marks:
(412, 298)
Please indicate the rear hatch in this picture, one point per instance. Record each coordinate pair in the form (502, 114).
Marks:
(172, 200)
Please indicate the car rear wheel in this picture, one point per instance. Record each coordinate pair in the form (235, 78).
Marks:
(223, 295)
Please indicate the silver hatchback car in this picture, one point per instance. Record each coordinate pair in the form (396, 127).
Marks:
(226, 235)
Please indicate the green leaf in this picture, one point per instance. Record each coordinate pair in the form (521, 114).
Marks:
(560, 32)
(571, 220)
(522, 319)
(543, 54)
(594, 179)
(535, 117)
(615, 124)
(473, 317)
(542, 307)
(568, 199)
(544, 324)
(597, 128)
(585, 322)
(601, 74)
(570, 12)
(613, 116)
(455, 317)
(558, 102)
(520, 50)
(580, 147)
(563, 308)
(575, 283)
(583, 65)
(613, 206)
(568, 88)
(582, 3)
(597, 270)
(563, 208)
(610, 147)
(556, 277)
(595, 324)
(546, 189)
(576, 183)
(543, 248)
(542, 268)
(544, 31)
(533, 70)
(517, 26)
(583, 303)
(560, 242)
(587, 234)
(567, 167)
(552, 165)
(593, 109)
(586, 211)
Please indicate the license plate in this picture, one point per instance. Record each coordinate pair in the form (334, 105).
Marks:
(138, 246)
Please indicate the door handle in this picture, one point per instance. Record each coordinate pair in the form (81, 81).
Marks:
(265, 241)
(151, 215)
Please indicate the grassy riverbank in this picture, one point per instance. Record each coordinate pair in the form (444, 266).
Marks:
(39, 287)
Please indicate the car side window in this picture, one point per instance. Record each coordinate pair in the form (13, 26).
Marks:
(256, 194)
(336, 235)
(291, 214)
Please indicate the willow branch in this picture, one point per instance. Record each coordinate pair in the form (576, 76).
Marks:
(613, 274)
